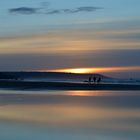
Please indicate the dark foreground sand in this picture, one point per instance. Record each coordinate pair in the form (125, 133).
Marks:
(23, 85)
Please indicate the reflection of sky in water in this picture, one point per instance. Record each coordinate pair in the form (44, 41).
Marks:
(109, 115)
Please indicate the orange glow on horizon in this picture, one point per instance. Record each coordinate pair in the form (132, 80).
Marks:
(77, 70)
(96, 70)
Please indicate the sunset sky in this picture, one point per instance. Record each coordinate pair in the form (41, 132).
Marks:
(100, 35)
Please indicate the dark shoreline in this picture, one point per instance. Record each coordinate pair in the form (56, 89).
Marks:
(30, 85)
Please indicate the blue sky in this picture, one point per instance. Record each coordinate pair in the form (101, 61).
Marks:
(110, 10)
(58, 29)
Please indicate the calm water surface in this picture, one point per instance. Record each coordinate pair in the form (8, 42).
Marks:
(71, 115)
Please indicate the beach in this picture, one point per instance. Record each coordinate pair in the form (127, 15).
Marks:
(70, 70)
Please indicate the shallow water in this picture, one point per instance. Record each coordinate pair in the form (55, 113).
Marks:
(71, 115)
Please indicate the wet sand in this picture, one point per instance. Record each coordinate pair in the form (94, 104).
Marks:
(31, 85)
(23, 85)
(71, 115)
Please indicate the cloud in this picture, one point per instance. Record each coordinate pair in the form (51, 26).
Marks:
(70, 11)
(86, 9)
(44, 9)
(81, 9)
(54, 12)
(23, 10)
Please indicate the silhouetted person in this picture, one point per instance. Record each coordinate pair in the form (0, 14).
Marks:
(99, 80)
(94, 79)
(89, 80)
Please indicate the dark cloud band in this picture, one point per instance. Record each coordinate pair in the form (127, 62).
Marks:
(23, 10)
(46, 10)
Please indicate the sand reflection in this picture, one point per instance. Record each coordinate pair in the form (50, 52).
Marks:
(73, 110)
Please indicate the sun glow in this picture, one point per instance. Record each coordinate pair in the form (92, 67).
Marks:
(76, 70)
(96, 70)
(79, 70)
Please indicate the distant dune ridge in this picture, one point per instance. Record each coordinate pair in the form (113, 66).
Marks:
(6, 76)
(48, 75)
